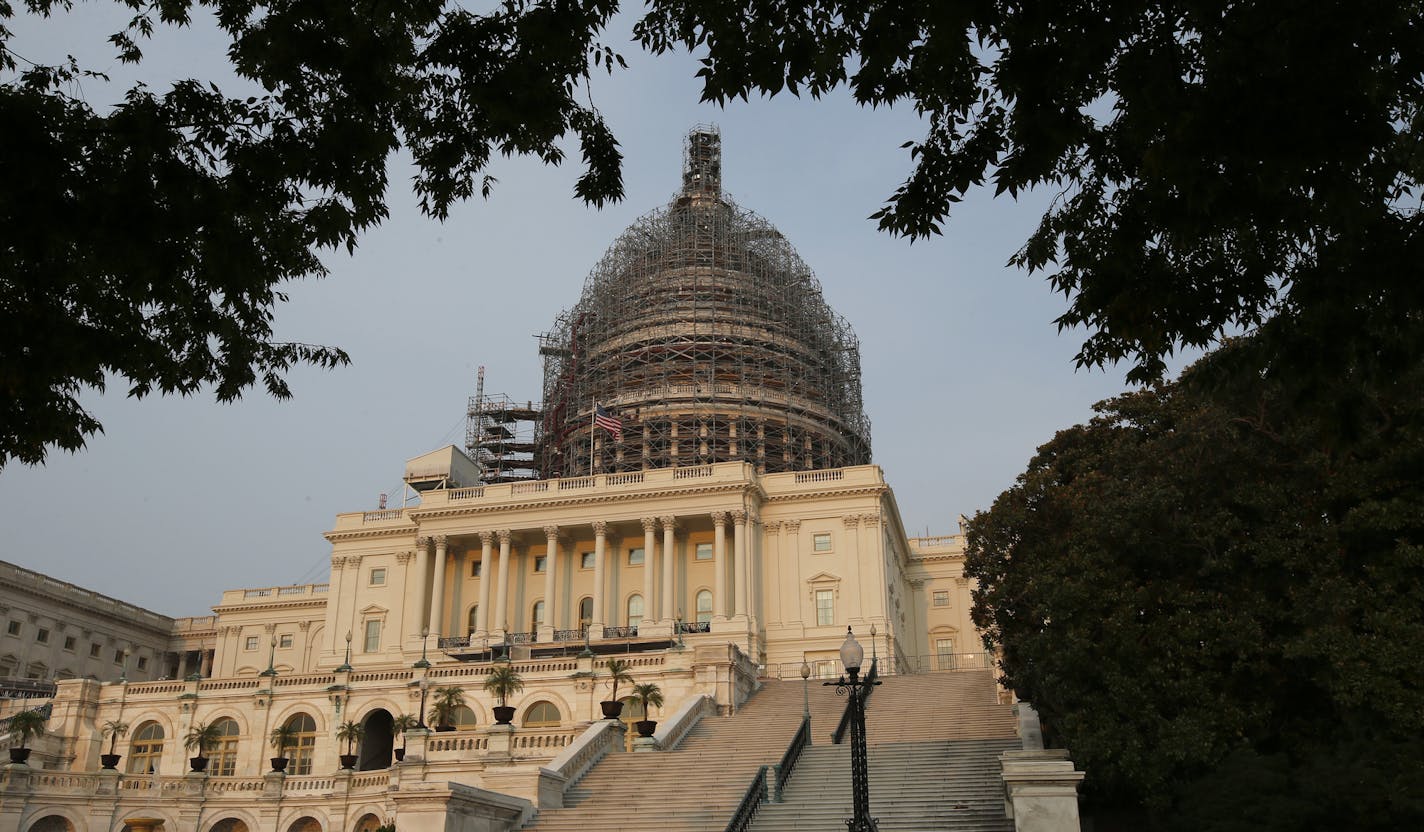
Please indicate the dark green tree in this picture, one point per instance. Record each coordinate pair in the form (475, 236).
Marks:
(1216, 600)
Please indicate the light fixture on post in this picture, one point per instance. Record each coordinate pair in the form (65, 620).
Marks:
(852, 656)
(271, 661)
(345, 667)
(424, 689)
(424, 637)
(805, 690)
(124, 672)
(873, 658)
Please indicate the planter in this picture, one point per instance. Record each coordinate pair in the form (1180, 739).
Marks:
(19, 755)
(348, 760)
(198, 764)
(109, 761)
(503, 714)
(611, 709)
(646, 727)
(400, 754)
(443, 728)
(279, 763)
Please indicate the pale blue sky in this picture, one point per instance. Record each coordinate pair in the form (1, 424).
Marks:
(965, 373)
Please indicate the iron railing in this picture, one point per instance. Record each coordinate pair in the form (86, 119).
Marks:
(620, 632)
(43, 710)
(453, 642)
(519, 638)
(844, 725)
(751, 803)
(26, 688)
(570, 635)
(695, 627)
(793, 753)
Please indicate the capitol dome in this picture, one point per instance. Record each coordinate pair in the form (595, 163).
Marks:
(705, 333)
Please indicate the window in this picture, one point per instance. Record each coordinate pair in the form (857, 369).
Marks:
(944, 653)
(476, 567)
(284, 640)
(303, 744)
(635, 610)
(118, 657)
(586, 560)
(251, 643)
(42, 636)
(821, 542)
(94, 648)
(373, 636)
(537, 618)
(541, 562)
(704, 551)
(825, 607)
(222, 757)
(635, 557)
(69, 642)
(143, 662)
(941, 597)
(378, 576)
(14, 628)
(542, 714)
(470, 620)
(463, 719)
(146, 748)
(585, 613)
(704, 606)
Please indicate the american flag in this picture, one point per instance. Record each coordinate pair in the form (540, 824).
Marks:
(607, 421)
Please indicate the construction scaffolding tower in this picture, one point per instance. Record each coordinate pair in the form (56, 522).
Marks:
(708, 336)
(501, 436)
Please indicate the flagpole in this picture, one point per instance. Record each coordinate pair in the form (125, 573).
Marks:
(592, 430)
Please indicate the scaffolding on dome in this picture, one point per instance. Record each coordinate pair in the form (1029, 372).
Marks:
(708, 336)
(501, 436)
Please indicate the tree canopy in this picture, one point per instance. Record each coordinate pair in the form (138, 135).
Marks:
(1218, 166)
(1217, 603)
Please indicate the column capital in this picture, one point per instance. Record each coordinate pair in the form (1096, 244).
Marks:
(739, 517)
(650, 524)
(773, 526)
(504, 536)
(303, 625)
(353, 562)
(486, 537)
(668, 522)
(793, 526)
(551, 532)
(404, 557)
(719, 517)
(422, 542)
(870, 520)
(851, 520)
(600, 527)
(440, 540)
(337, 563)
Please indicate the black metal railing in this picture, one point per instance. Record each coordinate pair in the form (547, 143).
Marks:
(620, 632)
(793, 753)
(695, 627)
(844, 725)
(751, 803)
(44, 711)
(453, 642)
(570, 635)
(25, 688)
(519, 638)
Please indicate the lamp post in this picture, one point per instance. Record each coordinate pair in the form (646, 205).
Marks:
(271, 661)
(805, 691)
(345, 666)
(852, 655)
(124, 673)
(424, 689)
(424, 637)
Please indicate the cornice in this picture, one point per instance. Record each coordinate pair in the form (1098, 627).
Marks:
(369, 534)
(853, 491)
(277, 605)
(579, 500)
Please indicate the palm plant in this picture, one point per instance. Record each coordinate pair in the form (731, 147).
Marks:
(282, 738)
(447, 700)
(350, 733)
(203, 736)
(619, 671)
(25, 726)
(649, 694)
(404, 723)
(503, 682)
(113, 730)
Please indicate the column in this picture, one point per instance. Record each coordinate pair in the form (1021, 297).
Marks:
(501, 590)
(650, 610)
(666, 603)
(205, 668)
(719, 566)
(486, 575)
(422, 584)
(600, 538)
(437, 594)
(551, 565)
(740, 561)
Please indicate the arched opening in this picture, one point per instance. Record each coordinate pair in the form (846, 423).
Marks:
(367, 823)
(305, 824)
(463, 719)
(635, 610)
(230, 825)
(471, 619)
(222, 757)
(52, 823)
(146, 749)
(585, 614)
(378, 741)
(299, 753)
(536, 618)
(542, 714)
(704, 606)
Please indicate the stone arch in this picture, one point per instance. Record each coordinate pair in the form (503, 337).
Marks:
(471, 613)
(305, 823)
(365, 819)
(565, 707)
(541, 713)
(54, 820)
(311, 709)
(697, 610)
(378, 743)
(232, 824)
(313, 644)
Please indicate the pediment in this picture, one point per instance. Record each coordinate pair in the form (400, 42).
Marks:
(823, 578)
(374, 609)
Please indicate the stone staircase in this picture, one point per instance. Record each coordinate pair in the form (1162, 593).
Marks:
(935, 740)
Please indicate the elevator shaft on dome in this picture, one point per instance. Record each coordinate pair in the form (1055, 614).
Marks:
(705, 333)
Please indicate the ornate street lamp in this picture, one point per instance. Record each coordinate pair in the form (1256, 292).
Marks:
(124, 673)
(424, 689)
(805, 691)
(852, 655)
(271, 661)
(345, 667)
(424, 637)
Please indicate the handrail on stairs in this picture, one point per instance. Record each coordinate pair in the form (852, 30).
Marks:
(751, 802)
(844, 725)
(793, 753)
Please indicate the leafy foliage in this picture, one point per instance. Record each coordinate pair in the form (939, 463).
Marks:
(618, 671)
(149, 242)
(113, 730)
(503, 682)
(27, 725)
(202, 737)
(1219, 165)
(403, 723)
(444, 703)
(350, 732)
(1208, 590)
(649, 694)
(284, 736)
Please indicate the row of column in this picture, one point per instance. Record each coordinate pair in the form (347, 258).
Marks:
(426, 610)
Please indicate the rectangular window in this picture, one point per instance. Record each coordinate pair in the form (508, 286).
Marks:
(944, 653)
(94, 648)
(143, 662)
(118, 657)
(373, 636)
(821, 542)
(42, 636)
(704, 551)
(69, 642)
(825, 607)
(14, 628)
(251, 643)
(586, 560)
(541, 562)
(378, 576)
(476, 567)
(284, 640)
(635, 557)
(941, 598)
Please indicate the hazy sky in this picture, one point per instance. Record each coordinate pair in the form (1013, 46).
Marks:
(965, 373)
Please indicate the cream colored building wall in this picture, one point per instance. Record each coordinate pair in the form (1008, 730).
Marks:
(937, 566)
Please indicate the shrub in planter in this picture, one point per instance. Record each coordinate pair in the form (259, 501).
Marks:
(442, 709)
(25, 726)
(503, 682)
(282, 738)
(401, 724)
(350, 733)
(113, 729)
(618, 671)
(650, 695)
(201, 737)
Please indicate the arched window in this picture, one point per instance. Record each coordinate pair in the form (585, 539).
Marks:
(306, 824)
(53, 823)
(146, 748)
(299, 753)
(704, 606)
(229, 825)
(537, 619)
(635, 610)
(368, 823)
(471, 619)
(541, 714)
(585, 613)
(463, 719)
(222, 757)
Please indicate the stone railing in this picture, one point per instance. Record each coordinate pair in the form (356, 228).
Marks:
(194, 623)
(229, 684)
(580, 755)
(541, 743)
(456, 741)
(382, 516)
(557, 489)
(383, 676)
(323, 680)
(234, 785)
(147, 688)
(671, 731)
(309, 784)
(273, 593)
(164, 784)
(379, 780)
